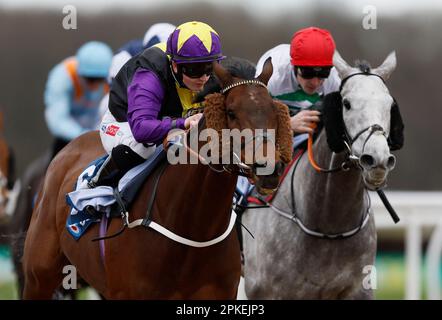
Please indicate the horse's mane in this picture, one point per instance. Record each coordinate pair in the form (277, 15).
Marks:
(238, 67)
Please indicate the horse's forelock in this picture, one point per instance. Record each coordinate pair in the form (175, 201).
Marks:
(363, 65)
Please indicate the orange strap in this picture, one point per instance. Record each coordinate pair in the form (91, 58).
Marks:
(71, 67)
(310, 150)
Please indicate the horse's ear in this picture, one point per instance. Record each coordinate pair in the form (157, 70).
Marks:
(343, 68)
(387, 67)
(267, 71)
(222, 74)
(333, 121)
(396, 137)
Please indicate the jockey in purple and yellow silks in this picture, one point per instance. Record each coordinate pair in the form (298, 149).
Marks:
(152, 93)
(73, 93)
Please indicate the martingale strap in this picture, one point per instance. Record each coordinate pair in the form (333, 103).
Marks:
(148, 223)
(188, 242)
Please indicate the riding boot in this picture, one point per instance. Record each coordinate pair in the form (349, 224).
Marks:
(106, 175)
(121, 160)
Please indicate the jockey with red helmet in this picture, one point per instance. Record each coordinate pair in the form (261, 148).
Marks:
(302, 73)
(151, 94)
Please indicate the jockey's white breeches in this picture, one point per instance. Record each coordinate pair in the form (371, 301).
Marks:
(114, 133)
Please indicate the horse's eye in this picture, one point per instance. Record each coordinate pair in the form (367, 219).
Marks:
(346, 104)
(231, 114)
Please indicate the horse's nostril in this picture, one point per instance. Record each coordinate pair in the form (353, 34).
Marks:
(391, 162)
(367, 161)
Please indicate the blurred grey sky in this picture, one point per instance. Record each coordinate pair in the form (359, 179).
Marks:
(255, 7)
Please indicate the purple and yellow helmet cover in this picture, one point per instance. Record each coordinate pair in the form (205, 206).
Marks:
(194, 42)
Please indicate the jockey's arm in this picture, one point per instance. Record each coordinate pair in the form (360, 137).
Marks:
(57, 97)
(144, 99)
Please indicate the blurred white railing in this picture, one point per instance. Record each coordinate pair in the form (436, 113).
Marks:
(416, 210)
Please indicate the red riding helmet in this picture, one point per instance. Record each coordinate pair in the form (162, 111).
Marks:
(312, 47)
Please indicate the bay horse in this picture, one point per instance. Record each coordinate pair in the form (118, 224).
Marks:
(33, 177)
(317, 240)
(31, 182)
(193, 201)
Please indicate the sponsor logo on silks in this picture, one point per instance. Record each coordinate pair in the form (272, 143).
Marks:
(103, 128)
(112, 130)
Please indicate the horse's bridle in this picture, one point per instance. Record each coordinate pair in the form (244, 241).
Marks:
(348, 140)
(351, 158)
(242, 82)
(242, 169)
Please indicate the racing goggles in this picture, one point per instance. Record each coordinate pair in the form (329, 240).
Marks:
(313, 72)
(196, 70)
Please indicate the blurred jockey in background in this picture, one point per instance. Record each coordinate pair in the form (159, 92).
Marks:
(158, 32)
(73, 93)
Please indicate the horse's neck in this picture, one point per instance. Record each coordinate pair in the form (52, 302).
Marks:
(329, 202)
(199, 200)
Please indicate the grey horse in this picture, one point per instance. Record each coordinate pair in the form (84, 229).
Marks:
(318, 238)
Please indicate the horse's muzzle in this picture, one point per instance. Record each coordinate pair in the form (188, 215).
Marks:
(375, 178)
(267, 184)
